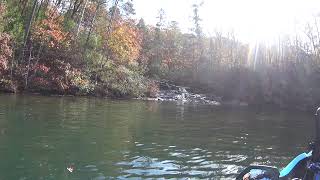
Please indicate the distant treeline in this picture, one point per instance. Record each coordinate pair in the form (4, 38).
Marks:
(95, 47)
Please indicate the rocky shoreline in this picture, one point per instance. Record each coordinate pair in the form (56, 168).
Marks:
(166, 92)
(180, 94)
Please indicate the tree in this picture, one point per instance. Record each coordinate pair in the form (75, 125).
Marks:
(81, 17)
(29, 23)
(198, 44)
(6, 52)
(49, 31)
(157, 46)
(196, 20)
(128, 9)
(124, 43)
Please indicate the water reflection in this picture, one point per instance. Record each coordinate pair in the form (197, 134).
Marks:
(178, 163)
(41, 136)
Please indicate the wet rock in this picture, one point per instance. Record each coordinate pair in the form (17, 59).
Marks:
(170, 92)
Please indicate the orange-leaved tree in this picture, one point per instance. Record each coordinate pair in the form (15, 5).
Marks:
(49, 31)
(124, 43)
(5, 51)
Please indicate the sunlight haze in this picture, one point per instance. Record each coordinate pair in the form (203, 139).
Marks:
(251, 20)
(160, 89)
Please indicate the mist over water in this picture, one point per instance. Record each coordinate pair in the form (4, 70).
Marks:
(103, 139)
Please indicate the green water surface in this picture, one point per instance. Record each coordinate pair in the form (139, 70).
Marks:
(104, 139)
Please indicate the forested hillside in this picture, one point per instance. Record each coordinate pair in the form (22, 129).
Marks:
(96, 47)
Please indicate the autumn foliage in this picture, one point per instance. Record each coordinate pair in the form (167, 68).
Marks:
(124, 43)
(49, 31)
(90, 47)
(5, 51)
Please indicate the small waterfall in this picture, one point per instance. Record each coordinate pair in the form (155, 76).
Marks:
(183, 93)
(170, 92)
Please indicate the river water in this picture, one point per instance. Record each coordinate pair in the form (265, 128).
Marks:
(40, 137)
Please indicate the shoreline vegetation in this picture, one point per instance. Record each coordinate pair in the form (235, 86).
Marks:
(97, 48)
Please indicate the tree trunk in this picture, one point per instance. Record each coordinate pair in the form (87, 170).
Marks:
(81, 17)
(37, 60)
(92, 22)
(75, 9)
(29, 24)
(12, 64)
(28, 68)
(24, 5)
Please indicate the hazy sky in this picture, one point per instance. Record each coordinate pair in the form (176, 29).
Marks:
(251, 20)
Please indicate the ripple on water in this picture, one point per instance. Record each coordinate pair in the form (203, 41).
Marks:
(140, 140)
(196, 161)
(179, 163)
(91, 168)
(178, 155)
(234, 158)
(100, 177)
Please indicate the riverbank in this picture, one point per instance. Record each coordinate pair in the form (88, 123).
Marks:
(164, 91)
